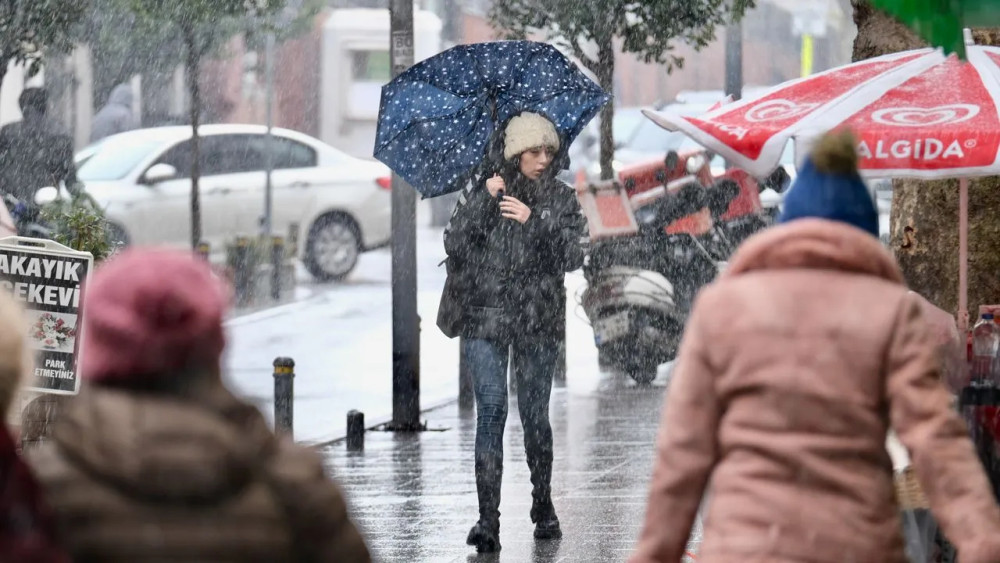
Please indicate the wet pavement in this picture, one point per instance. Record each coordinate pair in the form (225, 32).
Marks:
(414, 495)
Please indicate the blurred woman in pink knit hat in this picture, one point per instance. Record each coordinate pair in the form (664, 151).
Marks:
(156, 459)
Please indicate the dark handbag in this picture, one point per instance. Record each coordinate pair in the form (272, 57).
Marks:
(449, 318)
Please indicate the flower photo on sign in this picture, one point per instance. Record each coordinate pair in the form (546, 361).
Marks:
(52, 331)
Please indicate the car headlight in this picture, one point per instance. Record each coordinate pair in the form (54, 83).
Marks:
(695, 163)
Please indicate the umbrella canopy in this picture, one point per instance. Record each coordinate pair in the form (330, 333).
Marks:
(437, 118)
(940, 22)
(916, 113)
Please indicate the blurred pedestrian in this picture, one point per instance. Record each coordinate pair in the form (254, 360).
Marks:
(510, 242)
(793, 367)
(156, 460)
(117, 115)
(27, 525)
(34, 152)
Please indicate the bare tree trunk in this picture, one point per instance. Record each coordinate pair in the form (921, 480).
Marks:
(924, 222)
(606, 75)
(193, 64)
(880, 33)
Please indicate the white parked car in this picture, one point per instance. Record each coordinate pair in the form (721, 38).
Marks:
(142, 179)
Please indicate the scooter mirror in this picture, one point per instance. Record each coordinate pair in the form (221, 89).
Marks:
(46, 195)
(671, 160)
(779, 180)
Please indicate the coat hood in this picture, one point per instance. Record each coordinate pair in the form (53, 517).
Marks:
(815, 244)
(166, 448)
(121, 95)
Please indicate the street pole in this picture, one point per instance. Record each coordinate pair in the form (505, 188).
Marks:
(734, 60)
(405, 322)
(266, 227)
(734, 63)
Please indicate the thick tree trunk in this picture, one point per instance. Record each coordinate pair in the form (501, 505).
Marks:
(879, 33)
(606, 75)
(193, 64)
(924, 221)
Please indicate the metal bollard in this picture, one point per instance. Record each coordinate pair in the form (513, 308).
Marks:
(355, 431)
(204, 250)
(277, 257)
(284, 376)
(243, 278)
(292, 244)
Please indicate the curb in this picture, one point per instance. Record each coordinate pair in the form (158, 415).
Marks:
(383, 421)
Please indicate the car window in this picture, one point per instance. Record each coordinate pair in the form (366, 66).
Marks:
(178, 156)
(220, 154)
(231, 154)
(115, 158)
(286, 152)
(650, 137)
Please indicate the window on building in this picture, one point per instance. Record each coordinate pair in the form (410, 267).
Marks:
(371, 66)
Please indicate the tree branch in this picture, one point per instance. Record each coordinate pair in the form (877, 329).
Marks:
(580, 55)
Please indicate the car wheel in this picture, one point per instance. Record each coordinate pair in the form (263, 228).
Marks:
(332, 248)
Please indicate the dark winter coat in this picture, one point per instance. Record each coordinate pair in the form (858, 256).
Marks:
(508, 278)
(145, 477)
(116, 116)
(27, 526)
(34, 154)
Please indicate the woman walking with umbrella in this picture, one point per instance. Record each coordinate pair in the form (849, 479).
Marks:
(512, 237)
(510, 241)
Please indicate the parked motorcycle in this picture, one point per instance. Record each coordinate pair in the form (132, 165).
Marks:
(641, 288)
(643, 273)
(27, 218)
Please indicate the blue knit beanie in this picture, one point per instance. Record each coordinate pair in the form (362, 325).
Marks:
(828, 186)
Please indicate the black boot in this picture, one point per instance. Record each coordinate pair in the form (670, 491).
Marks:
(485, 535)
(543, 514)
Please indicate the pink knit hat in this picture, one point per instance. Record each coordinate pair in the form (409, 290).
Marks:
(151, 312)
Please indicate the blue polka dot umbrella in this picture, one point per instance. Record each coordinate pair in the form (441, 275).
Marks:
(437, 118)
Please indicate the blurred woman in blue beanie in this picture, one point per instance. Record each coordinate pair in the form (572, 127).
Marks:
(794, 365)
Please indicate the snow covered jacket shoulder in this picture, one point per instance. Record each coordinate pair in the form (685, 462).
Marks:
(144, 477)
(508, 277)
(35, 153)
(793, 367)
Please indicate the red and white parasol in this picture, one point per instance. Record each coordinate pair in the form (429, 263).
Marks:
(916, 114)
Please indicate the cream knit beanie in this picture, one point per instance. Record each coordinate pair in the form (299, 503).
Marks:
(527, 131)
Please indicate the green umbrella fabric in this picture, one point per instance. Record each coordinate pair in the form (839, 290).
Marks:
(940, 22)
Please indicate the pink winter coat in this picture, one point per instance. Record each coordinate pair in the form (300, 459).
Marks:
(793, 367)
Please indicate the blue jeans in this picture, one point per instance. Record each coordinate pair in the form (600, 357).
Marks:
(536, 365)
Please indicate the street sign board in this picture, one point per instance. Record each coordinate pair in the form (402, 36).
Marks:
(47, 278)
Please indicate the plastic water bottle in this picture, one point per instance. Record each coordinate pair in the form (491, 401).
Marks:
(985, 344)
(981, 388)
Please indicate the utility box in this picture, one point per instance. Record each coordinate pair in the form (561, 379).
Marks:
(353, 68)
